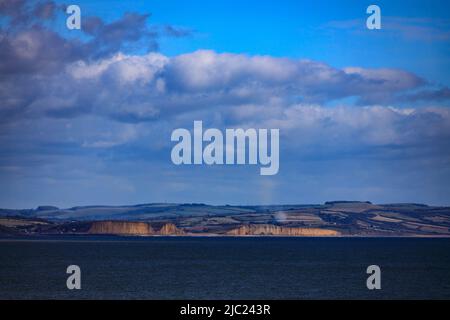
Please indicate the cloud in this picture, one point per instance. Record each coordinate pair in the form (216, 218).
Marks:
(421, 29)
(177, 32)
(125, 135)
(45, 10)
(436, 94)
(407, 28)
(151, 87)
(26, 52)
(113, 37)
(13, 9)
(362, 126)
(248, 77)
(25, 38)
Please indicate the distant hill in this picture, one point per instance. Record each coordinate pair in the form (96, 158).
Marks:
(348, 218)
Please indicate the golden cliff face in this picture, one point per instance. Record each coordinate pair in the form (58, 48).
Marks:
(272, 230)
(132, 228)
(169, 229)
(121, 228)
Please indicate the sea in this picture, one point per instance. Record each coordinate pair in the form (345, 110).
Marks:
(113, 267)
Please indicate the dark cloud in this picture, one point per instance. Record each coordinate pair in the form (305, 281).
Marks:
(70, 112)
(12, 8)
(22, 13)
(45, 10)
(27, 51)
(130, 27)
(440, 94)
(409, 28)
(112, 37)
(27, 45)
(177, 32)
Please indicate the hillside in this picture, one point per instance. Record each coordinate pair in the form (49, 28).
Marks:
(347, 218)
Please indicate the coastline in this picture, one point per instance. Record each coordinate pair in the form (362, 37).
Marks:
(111, 237)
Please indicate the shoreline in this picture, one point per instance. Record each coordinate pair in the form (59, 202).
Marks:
(98, 237)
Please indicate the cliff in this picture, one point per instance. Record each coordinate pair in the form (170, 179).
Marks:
(273, 230)
(133, 228)
(169, 229)
(121, 228)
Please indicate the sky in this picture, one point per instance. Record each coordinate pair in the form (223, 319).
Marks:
(86, 115)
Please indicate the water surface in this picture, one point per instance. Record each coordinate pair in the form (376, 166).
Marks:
(224, 268)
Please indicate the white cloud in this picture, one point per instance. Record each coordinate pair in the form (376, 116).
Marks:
(134, 89)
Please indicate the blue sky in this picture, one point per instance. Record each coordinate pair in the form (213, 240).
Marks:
(86, 115)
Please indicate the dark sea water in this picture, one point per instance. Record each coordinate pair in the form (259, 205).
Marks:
(224, 268)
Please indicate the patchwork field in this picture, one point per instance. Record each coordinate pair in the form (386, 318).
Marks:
(338, 218)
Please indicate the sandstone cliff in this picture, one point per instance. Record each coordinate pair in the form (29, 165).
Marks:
(133, 228)
(266, 229)
(121, 228)
(169, 229)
